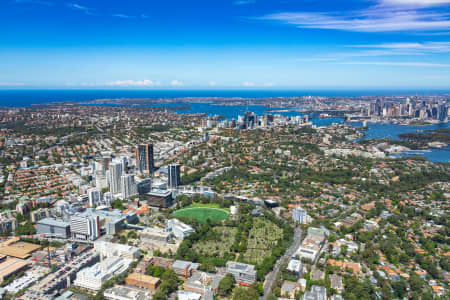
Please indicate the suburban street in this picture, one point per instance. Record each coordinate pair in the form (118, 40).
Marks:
(270, 278)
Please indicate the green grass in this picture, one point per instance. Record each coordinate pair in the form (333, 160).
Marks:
(202, 212)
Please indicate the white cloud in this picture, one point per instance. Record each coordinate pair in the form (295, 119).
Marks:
(124, 83)
(395, 21)
(414, 3)
(212, 83)
(248, 84)
(122, 16)
(243, 2)
(176, 83)
(397, 64)
(268, 84)
(86, 10)
(385, 16)
(77, 6)
(145, 82)
(426, 47)
(384, 49)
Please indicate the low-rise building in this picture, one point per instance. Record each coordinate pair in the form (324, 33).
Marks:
(120, 292)
(311, 246)
(317, 274)
(179, 229)
(161, 262)
(243, 273)
(108, 249)
(28, 279)
(289, 289)
(10, 267)
(370, 225)
(39, 214)
(69, 295)
(155, 234)
(184, 268)
(143, 281)
(336, 283)
(186, 295)
(201, 282)
(351, 220)
(53, 227)
(316, 293)
(295, 266)
(351, 246)
(302, 283)
(159, 198)
(18, 249)
(8, 224)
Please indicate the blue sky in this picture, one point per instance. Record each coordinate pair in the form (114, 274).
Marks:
(252, 44)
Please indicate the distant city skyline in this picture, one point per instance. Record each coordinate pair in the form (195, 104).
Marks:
(229, 44)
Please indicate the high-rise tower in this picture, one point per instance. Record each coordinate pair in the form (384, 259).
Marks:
(174, 175)
(144, 158)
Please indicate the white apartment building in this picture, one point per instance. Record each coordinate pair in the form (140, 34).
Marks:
(128, 186)
(94, 196)
(107, 249)
(179, 229)
(85, 227)
(300, 215)
(311, 246)
(101, 181)
(115, 173)
(92, 278)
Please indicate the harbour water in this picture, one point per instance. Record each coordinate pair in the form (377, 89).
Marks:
(375, 131)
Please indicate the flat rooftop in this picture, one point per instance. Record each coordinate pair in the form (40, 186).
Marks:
(143, 278)
(161, 193)
(10, 266)
(240, 266)
(20, 249)
(53, 222)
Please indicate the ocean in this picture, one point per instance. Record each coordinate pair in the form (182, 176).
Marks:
(16, 97)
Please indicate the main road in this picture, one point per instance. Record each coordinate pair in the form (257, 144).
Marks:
(270, 278)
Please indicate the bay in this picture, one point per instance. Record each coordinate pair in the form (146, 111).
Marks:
(376, 130)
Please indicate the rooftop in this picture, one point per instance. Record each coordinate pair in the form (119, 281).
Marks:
(240, 266)
(10, 266)
(160, 193)
(53, 222)
(20, 250)
(143, 278)
(125, 292)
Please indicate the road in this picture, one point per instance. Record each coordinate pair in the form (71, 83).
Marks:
(270, 278)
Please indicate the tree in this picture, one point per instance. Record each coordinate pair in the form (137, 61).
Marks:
(241, 293)
(123, 239)
(416, 282)
(27, 229)
(226, 285)
(159, 295)
(399, 288)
